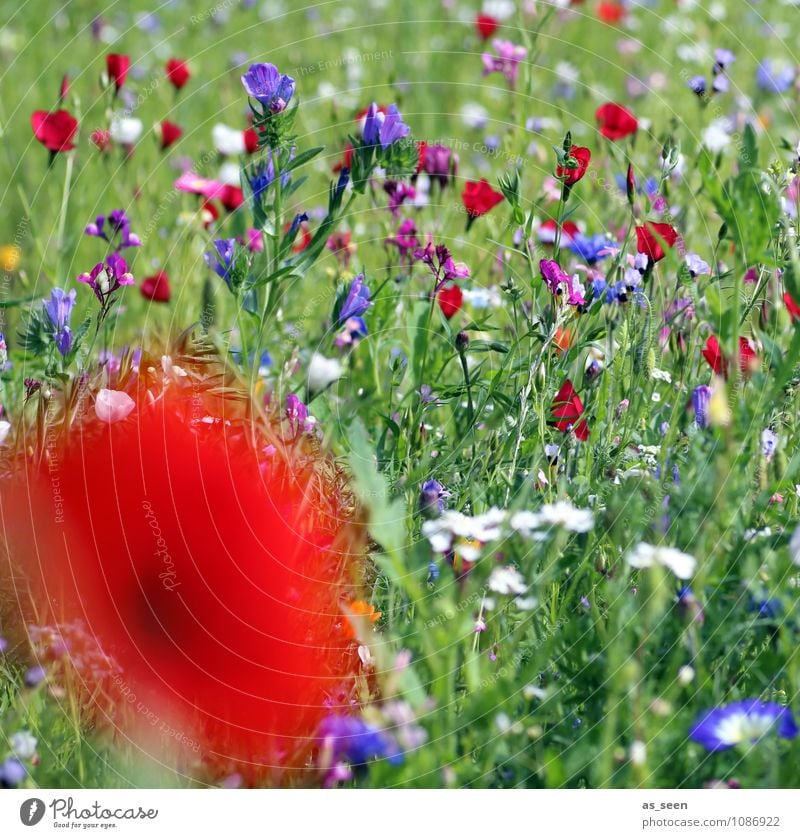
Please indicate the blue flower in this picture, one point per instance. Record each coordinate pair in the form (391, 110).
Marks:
(773, 80)
(261, 177)
(697, 84)
(591, 248)
(221, 259)
(12, 773)
(352, 739)
(432, 498)
(59, 311)
(357, 300)
(742, 723)
(264, 83)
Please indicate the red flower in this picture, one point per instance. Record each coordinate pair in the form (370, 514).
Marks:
(549, 228)
(479, 198)
(101, 138)
(214, 575)
(117, 67)
(231, 197)
(177, 72)
(250, 140)
(170, 133)
(422, 153)
(572, 176)
(791, 306)
(156, 288)
(649, 239)
(610, 12)
(63, 91)
(450, 300)
(486, 26)
(347, 159)
(748, 359)
(55, 131)
(208, 213)
(615, 122)
(567, 410)
(303, 232)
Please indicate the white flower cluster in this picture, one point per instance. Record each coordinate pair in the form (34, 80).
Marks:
(647, 555)
(453, 528)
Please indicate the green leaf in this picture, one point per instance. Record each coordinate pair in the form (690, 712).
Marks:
(386, 516)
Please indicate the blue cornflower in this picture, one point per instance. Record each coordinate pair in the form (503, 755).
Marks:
(742, 723)
(701, 398)
(773, 79)
(265, 84)
(12, 773)
(769, 609)
(221, 259)
(357, 300)
(353, 740)
(723, 58)
(697, 84)
(591, 248)
(384, 128)
(59, 311)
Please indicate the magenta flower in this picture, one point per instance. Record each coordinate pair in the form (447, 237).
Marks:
(506, 61)
(106, 277)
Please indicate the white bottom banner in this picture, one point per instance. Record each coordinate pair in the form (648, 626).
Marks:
(390, 813)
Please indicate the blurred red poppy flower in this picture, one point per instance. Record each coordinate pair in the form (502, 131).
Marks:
(572, 176)
(651, 238)
(169, 133)
(610, 12)
(177, 72)
(213, 570)
(748, 358)
(450, 298)
(791, 306)
(117, 67)
(486, 26)
(479, 198)
(615, 122)
(56, 130)
(156, 288)
(567, 410)
(231, 197)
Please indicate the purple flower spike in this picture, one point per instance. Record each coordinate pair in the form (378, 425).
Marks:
(701, 398)
(221, 259)
(268, 86)
(393, 127)
(59, 311)
(742, 723)
(357, 300)
(385, 129)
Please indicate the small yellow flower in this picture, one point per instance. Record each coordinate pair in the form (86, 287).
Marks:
(9, 257)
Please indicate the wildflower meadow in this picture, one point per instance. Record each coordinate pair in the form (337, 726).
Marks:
(399, 395)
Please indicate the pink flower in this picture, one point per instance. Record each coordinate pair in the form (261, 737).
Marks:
(506, 61)
(113, 405)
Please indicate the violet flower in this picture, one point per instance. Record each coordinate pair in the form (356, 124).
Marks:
(59, 311)
(268, 86)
